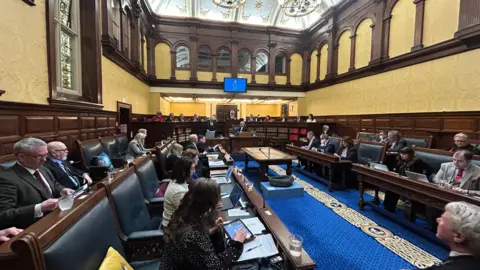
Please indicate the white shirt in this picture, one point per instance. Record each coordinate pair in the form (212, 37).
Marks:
(456, 254)
(38, 208)
(173, 197)
(311, 141)
(311, 120)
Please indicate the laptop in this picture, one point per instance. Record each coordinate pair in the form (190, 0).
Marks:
(378, 166)
(417, 176)
(232, 200)
(224, 179)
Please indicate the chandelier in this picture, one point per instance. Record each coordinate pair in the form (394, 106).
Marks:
(229, 3)
(299, 8)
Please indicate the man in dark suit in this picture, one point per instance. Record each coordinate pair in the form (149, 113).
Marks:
(170, 118)
(27, 189)
(459, 228)
(241, 128)
(325, 145)
(202, 144)
(192, 142)
(66, 174)
(394, 142)
(313, 143)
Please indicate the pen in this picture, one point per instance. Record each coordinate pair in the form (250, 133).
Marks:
(250, 249)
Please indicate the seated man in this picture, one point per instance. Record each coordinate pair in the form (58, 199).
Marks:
(158, 117)
(202, 144)
(66, 174)
(241, 128)
(460, 173)
(326, 130)
(195, 118)
(394, 142)
(382, 137)
(460, 142)
(251, 118)
(171, 118)
(312, 143)
(459, 228)
(325, 145)
(27, 189)
(192, 142)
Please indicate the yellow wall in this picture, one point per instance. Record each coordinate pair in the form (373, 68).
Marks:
(323, 61)
(23, 52)
(264, 109)
(402, 28)
(293, 108)
(296, 69)
(363, 44)
(119, 85)
(164, 106)
(280, 79)
(187, 108)
(259, 78)
(183, 75)
(155, 102)
(246, 76)
(204, 76)
(163, 62)
(221, 75)
(344, 45)
(313, 66)
(447, 84)
(444, 11)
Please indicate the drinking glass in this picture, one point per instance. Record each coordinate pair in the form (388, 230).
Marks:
(249, 185)
(444, 184)
(295, 243)
(65, 202)
(111, 175)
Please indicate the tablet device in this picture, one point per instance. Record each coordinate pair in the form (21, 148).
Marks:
(417, 176)
(232, 227)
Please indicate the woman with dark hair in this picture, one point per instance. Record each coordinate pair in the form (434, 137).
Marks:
(310, 119)
(268, 119)
(181, 174)
(187, 238)
(347, 150)
(200, 169)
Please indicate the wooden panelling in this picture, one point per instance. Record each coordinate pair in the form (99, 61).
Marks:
(67, 123)
(9, 125)
(465, 125)
(39, 124)
(367, 122)
(433, 124)
(353, 122)
(403, 123)
(382, 123)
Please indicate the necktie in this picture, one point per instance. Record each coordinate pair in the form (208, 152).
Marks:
(459, 175)
(69, 174)
(42, 184)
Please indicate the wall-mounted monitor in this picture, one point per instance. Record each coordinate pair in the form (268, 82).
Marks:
(235, 85)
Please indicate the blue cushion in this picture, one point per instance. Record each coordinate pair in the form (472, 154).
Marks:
(102, 160)
(145, 265)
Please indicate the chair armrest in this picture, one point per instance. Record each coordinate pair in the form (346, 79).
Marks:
(145, 235)
(97, 173)
(157, 200)
(144, 245)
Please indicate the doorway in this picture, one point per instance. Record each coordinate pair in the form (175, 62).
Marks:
(285, 110)
(223, 111)
(124, 116)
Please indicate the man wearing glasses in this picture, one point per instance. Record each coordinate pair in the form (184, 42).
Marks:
(460, 142)
(66, 174)
(28, 190)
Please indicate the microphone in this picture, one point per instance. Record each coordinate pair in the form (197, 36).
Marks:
(268, 156)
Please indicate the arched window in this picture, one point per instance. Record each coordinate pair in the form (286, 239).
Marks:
(204, 58)
(116, 21)
(280, 64)
(223, 60)
(244, 60)
(183, 57)
(261, 62)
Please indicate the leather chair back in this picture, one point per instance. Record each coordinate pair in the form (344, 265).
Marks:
(122, 143)
(145, 171)
(365, 136)
(90, 149)
(110, 145)
(433, 158)
(161, 166)
(476, 162)
(85, 243)
(130, 206)
(419, 141)
(7, 161)
(370, 152)
(336, 141)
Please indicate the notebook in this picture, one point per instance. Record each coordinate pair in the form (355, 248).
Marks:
(224, 179)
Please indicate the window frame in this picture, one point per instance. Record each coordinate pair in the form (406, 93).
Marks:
(189, 58)
(284, 63)
(211, 58)
(250, 61)
(267, 68)
(226, 69)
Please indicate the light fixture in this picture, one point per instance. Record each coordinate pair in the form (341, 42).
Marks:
(212, 99)
(243, 100)
(274, 101)
(231, 4)
(181, 99)
(298, 8)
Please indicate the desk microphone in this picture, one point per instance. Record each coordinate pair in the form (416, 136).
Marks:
(268, 156)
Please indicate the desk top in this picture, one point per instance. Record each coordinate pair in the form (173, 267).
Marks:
(266, 153)
(315, 156)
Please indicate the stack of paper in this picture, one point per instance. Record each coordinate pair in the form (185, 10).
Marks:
(262, 246)
(254, 225)
(216, 163)
(235, 212)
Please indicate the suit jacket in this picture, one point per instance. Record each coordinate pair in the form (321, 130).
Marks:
(401, 143)
(315, 143)
(458, 262)
(414, 165)
(190, 145)
(351, 154)
(20, 192)
(470, 179)
(135, 149)
(212, 125)
(469, 147)
(169, 119)
(62, 177)
(240, 129)
(329, 148)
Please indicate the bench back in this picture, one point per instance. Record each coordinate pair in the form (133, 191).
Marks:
(370, 152)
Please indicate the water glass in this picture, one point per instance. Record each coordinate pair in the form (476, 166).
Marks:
(249, 185)
(295, 243)
(110, 175)
(65, 203)
(444, 184)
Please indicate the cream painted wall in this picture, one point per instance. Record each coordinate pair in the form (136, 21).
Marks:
(188, 108)
(164, 106)
(293, 108)
(296, 69)
(344, 45)
(313, 66)
(323, 61)
(273, 110)
(402, 28)
(23, 52)
(444, 11)
(163, 61)
(363, 44)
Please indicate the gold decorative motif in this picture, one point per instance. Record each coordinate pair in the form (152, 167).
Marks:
(259, 4)
(265, 18)
(204, 11)
(406, 250)
(225, 14)
(246, 16)
(182, 10)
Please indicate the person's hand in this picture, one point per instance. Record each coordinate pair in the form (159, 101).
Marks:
(460, 190)
(314, 149)
(240, 236)
(219, 222)
(48, 205)
(6, 234)
(335, 154)
(87, 178)
(66, 192)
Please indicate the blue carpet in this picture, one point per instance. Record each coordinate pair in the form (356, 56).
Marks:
(331, 241)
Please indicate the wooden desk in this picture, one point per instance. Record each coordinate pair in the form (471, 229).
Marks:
(267, 156)
(223, 141)
(335, 164)
(237, 143)
(276, 227)
(426, 193)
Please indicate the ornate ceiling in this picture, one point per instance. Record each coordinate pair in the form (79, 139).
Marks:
(258, 12)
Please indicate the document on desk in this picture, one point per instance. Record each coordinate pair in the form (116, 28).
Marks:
(235, 212)
(215, 163)
(262, 246)
(254, 225)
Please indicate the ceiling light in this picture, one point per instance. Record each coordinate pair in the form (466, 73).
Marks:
(298, 8)
(243, 100)
(231, 4)
(212, 99)
(177, 99)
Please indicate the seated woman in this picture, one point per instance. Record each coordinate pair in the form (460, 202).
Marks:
(268, 119)
(181, 174)
(347, 150)
(187, 238)
(310, 119)
(136, 147)
(173, 156)
(201, 170)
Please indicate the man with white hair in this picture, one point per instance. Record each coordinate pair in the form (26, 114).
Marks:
(66, 174)
(27, 189)
(192, 142)
(460, 142)
(459, 228)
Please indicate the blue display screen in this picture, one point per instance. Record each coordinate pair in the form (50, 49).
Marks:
(233, 227)
(235, 85)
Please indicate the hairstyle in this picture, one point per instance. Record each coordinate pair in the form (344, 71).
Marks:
(176, 150)
(407, 150)
(461, 135)
(242, 122)
(394, 133)
(142, 130)
(468, 155)
(325, 127)
(191, 153)
(348, 141)
(310, 116)
(192, 137)
(310, 133)
(181, 170)
(197, 210)
(324, 136)
(200, 136)
(464, 220)
(382, 132)
(27, 145)
(159, 112)
(267, 116)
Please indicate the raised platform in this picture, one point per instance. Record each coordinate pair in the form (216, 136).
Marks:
(272, 193)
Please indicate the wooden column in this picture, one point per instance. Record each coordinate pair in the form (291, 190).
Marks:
(193, 58)
(353, 38)
(317, 76)
(289, 60)
(253, 66)
(419, 17)
(306, 58)
(151, 57)
(377, 33)
(234, 58)
(386, 37)
(469, 21)
(271, 62)
(173, 65)
(214, 67)
(332, 48)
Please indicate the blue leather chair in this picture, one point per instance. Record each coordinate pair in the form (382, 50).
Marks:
(366, 136)
(7, 161)
(418, 141)
(336, 141)
(370, 152)
(122, 143)
(145, 170)
(110, 146)
(88, 150)
(433, 158)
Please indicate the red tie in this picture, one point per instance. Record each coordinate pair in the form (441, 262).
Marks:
(459, 175)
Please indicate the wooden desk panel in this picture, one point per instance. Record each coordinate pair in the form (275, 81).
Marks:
(265, 156)
(225, 142)
(237, 143)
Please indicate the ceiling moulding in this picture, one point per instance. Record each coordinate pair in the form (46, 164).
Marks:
(217, 92)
